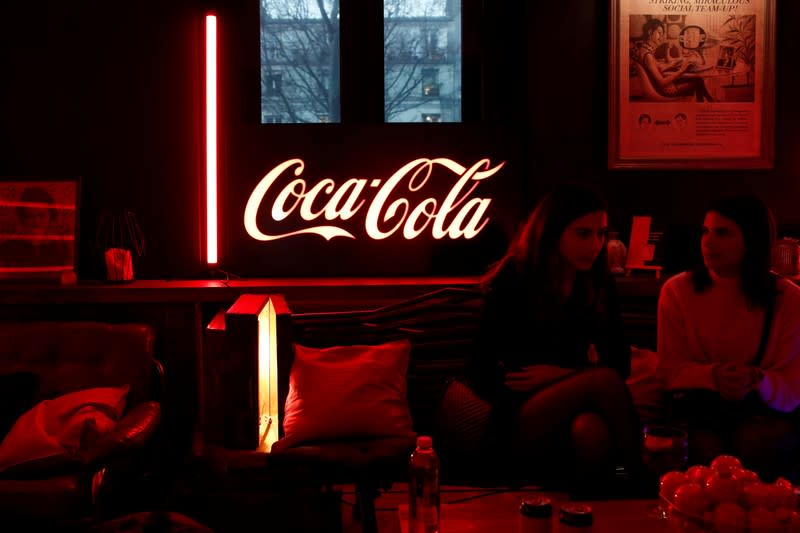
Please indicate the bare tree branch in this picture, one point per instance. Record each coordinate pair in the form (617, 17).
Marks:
(300, 47)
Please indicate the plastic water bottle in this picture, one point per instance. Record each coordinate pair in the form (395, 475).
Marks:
(423, 487)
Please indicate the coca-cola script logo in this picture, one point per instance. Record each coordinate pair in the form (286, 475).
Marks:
(457, 215)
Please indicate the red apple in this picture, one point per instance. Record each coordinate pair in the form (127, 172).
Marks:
(670, 482)
(781, 496)
(756, 495)
(725, 463)
(793, 526)
(763, 521)
(746, 476)
(723, 488)
(783, 515)
(692, 499)
(699, 474)
(730, 518)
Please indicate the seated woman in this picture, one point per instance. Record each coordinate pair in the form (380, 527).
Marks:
(669, 78)
(551, 356)
(729, 343)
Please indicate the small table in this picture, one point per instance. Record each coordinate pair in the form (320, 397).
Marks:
(489, 511)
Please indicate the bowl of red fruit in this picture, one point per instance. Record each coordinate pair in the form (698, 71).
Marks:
(725, 497)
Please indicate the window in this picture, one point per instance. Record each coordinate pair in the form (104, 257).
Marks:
(272, 87)
(430, 83)
(416, 34)
(434, 40)
(271, 53)
(300, 39)
(271, 119)
(300, 60)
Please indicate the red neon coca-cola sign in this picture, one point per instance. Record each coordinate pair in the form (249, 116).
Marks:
(326, 205)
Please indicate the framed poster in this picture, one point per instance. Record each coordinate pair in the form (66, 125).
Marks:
(38, 228)
(691, 83)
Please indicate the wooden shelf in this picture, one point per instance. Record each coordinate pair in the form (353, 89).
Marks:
(307, 294)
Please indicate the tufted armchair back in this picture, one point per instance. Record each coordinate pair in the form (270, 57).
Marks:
(70, 356)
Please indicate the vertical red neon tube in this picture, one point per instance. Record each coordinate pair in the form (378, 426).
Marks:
(211, 139)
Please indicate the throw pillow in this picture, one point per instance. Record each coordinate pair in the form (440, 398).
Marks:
(348, 392)
(54, 432)
(17, 395)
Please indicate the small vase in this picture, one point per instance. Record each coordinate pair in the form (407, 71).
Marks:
(119, 265)
(617, 254)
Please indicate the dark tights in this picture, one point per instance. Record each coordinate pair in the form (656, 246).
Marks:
(693, 86)
(594, 411)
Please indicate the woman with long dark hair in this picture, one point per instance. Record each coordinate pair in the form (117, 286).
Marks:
(552, 358)
(729, 343)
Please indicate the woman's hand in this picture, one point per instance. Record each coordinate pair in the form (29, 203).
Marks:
(669, 65)
(733, 381)
(756, 377)
(695, 57)
(534, 376)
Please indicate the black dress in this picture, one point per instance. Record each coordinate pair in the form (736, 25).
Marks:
(520, 328)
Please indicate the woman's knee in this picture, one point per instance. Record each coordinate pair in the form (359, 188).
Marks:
(605, 383)
(591, 437)
(604, 374)
(598, 379)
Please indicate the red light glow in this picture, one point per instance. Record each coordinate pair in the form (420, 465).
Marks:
(211, 139)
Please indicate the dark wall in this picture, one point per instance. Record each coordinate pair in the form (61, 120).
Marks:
(568, 59)
(108, 92)
(111, 92)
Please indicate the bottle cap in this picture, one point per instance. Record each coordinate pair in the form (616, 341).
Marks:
(424, 442)
(576, 515)
(536, 507)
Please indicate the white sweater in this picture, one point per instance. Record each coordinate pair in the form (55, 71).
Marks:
(698, 330)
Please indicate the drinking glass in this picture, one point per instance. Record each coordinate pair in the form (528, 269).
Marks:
(664, 448)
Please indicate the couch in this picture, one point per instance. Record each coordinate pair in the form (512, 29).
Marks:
(442, 327)
(44, 360)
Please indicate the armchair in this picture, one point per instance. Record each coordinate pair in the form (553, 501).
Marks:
(72, 356)
(439, 326)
